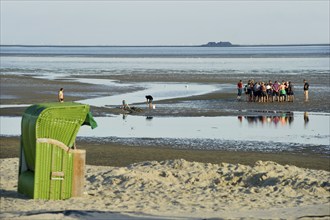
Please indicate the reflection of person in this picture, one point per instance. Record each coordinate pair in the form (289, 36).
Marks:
(306, 87)
(149, 117)
(290, 118)
(306, 118)
(61, 95)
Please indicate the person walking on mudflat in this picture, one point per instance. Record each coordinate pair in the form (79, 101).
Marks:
(290, 92)
(306, 87)
(239, 89)
(61, 95)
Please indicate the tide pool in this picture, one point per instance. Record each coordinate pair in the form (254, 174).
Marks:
(160, 91)
(296, 128)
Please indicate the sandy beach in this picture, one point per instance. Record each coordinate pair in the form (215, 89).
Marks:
(152, 182)
(176, 189)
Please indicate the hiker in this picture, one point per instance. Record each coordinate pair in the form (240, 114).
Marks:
(276, 88)
(239, 89)
(282, 92)
(246, 90)
(306, 87)
(263, 93)
(269, 91)
(290, 92)
(61, 95)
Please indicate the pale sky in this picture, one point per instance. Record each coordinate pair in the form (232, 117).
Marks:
(164, 22)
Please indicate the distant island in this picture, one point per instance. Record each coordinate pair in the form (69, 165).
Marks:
(218, 44)
(209, 44)
(229, 44)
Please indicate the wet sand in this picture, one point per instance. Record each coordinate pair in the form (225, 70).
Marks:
(121, 155)
(27, 90)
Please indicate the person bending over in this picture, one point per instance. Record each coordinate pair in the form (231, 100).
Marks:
(149, 100)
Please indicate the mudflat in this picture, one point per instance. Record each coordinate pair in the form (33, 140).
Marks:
(120, 155)
(125, 181)
(17, 89)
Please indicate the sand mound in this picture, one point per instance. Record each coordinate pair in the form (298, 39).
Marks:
(182, 188)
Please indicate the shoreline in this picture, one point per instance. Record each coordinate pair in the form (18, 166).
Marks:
(121, 155)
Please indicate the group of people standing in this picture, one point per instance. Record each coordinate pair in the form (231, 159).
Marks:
(269, 92)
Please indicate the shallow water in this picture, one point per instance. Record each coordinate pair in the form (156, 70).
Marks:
(262, 133)
(53, 65)
(160, 91)
(282, 132)
(284, 128)
(162, 51)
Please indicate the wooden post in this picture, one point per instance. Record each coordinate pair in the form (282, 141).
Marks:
(78, 178)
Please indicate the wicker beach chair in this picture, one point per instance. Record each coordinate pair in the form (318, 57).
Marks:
(50, 167)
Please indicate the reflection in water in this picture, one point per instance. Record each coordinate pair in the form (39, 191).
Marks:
(306, 118)
(149, 118)
(279, 128)
(285, 118)
(160, 90)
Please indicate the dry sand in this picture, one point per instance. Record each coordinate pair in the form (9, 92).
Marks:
(179, 189)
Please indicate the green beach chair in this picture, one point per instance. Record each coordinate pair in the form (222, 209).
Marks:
(49, 163)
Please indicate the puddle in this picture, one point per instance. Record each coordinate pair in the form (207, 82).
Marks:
(160, 91)
(297, 128)
(263, 132)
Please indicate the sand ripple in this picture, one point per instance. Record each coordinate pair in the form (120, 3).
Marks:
(182, 188)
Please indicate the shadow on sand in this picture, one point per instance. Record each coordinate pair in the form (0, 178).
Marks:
(81, 214)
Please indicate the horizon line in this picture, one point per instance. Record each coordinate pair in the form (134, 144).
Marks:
(201, 45)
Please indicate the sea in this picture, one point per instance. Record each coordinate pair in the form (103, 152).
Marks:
(305, 61)
(79, 60)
